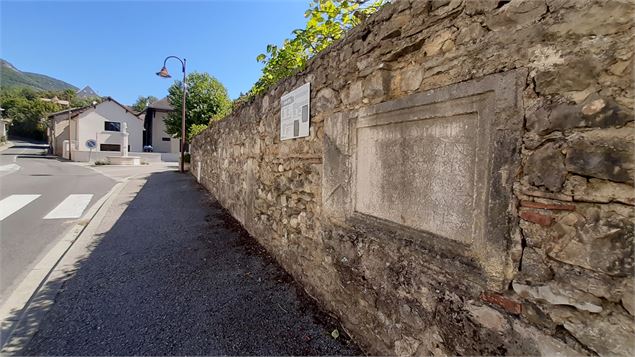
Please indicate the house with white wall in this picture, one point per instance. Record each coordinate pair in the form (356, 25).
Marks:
(101, 122)
(155, 134)
(4, 125)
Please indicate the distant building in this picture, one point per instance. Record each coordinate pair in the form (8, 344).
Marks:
(155, 133)
(86, 92)
(4, 124)
(101, 122)
(56, 101)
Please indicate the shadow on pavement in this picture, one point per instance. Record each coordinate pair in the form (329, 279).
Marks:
(30, 146)
(176, 275)
(40, 156)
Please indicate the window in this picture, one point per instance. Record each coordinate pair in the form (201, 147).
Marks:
(165, 139)
(110, 147)
(112, 126)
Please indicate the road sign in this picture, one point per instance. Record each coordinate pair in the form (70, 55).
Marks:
(91, 143)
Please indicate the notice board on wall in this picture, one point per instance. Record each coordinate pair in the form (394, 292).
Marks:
(294, 113)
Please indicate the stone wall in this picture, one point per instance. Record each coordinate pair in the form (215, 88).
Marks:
(467, 185)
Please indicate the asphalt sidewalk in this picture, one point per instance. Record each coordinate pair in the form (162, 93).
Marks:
(171, 273)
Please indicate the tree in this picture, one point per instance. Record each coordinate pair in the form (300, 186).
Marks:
(142, 102)
(207, 100)
(27, 112)
(328, 20)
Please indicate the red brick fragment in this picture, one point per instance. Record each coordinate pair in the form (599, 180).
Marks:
(536, 217)
(532, 204)
(509, 305)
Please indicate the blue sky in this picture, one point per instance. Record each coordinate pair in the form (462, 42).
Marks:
(117, 46)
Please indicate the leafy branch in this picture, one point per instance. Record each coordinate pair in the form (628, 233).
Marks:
(328, 21)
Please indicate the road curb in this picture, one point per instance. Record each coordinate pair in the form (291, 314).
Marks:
(7, 145)
(31, 300)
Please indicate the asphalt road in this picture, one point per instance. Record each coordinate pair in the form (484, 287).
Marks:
(41, 198)
(173, 274)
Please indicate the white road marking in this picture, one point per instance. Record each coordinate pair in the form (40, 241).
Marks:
(7, 169)
(72, 207)
(13, 203)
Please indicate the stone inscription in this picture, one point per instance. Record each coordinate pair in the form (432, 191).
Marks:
(420, 174)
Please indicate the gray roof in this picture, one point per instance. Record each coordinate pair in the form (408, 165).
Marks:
(161, 104)
(76, 111)
(73, 111)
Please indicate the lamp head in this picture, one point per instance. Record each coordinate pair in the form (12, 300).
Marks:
(164, 73)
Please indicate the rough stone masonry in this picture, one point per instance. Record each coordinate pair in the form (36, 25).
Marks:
(467, 185)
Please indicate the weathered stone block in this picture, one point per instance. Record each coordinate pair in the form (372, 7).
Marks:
(600, 240)
(598, 284)
(609, 335)
(472, 32)
(597, 190)
(488, 317)
(576, 75)
(325, 100)
(546, 345)
(534, 268)
(480, 7)
(584, 20)
(545, 167)
(558, 294)
(628, 296)
(516, 14)
(377, 84)
(593, 112)
(411, 78)
(535, 234)
(606, 154)
(438, 43)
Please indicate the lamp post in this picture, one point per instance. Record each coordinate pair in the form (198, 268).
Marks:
(163, 73)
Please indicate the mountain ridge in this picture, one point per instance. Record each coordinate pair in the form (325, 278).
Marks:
(12, 77)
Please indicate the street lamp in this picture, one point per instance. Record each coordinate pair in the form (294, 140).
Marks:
(163, 73)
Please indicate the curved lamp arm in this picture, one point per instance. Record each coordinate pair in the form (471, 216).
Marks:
(164, 70)
(180, 60)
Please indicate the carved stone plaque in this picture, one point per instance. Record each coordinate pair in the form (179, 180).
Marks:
(437, 167)
(419, 174)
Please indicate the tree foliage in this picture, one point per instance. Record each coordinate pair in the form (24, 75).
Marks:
(195, 129)
(327, 22)
(207, 100)
(142, 102)
(28, 112)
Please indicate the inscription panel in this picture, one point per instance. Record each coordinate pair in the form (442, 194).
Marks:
(420, 174)
(436, 168)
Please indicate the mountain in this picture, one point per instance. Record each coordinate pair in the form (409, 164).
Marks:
(87, 92)
(11, 77)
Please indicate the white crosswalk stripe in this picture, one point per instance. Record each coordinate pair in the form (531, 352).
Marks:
(13, 203)
(72, 207)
